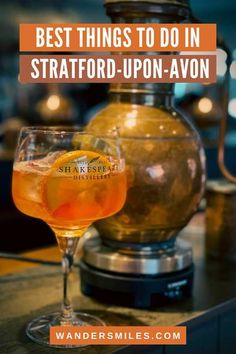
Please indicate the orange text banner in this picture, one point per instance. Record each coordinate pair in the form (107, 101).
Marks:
(117, 37)
(87, 335)
(117, 68)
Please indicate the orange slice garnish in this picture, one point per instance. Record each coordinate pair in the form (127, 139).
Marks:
(73, 184)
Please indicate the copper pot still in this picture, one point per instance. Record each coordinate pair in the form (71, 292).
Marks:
(164, 154)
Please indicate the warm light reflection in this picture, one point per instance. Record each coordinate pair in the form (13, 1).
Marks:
(221, 54)
(232, 107)
(131, 119)
(221, 69)
(192, 167)
(53, 102)
(149, 146)
(221, 66)
(233, 70)
(205, 105)
(156, 172)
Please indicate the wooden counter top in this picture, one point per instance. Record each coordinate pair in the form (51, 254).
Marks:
(9, 266)
(29, 290)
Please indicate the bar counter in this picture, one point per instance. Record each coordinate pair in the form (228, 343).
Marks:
(29, 290)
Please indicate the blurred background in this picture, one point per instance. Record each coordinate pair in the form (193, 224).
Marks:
(76, 103)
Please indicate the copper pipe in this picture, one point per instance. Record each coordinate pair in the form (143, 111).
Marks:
(223, 122)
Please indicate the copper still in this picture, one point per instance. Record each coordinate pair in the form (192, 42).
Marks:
(164, 154)
(135, 258)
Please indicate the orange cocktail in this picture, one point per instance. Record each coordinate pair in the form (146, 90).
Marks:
(69, 190)
(68, 177)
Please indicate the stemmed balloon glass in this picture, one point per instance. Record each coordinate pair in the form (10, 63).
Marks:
(69, 178)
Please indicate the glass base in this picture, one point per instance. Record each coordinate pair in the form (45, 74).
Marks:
(38, 329)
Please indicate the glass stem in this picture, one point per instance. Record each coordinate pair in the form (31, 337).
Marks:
(68, 246)
(67, 310)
